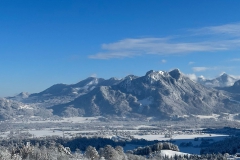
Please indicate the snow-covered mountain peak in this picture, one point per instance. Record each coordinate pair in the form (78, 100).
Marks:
(151, 72)
(226, 79)
(156, 75)
(130, 77)
(162, 72)
(176, 74)
(91, 79)
(23, 95)
(224, 76)
(114, 78)
(93, 82)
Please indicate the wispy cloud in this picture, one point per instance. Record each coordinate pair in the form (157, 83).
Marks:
(164, 61)
(226, 29)
(93, 75)
(114, 54)
(135, 47)
(236, 76)
(219, 68)
(200, 69)
(192, 76)
(171, 46)
(73, 57)
(235, 60)
(190, 63)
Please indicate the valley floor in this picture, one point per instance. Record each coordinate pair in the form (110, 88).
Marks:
(190, 135)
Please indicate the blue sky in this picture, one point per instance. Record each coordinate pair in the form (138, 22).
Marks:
(64, 41)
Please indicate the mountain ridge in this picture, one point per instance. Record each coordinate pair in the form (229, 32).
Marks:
(63, 93)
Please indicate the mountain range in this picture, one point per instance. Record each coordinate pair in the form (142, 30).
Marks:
(158, 93)
(62, 93)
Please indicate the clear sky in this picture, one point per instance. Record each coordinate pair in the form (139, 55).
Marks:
(44, 42)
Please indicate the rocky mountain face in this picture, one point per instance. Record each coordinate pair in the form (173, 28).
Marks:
(158, 93)
(224, 80)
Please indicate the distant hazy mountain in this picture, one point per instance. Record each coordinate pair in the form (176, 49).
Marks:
(235, 88)
(158, 93)
(10, 109)
(63, 93)
(222, 81)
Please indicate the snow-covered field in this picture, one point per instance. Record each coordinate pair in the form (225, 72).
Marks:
(143, 126)
(195, 150)
(178, 139)
(214, 116)
(46, 132)
(68, 120)
(170, 153)
(80, 119)
(55, 132)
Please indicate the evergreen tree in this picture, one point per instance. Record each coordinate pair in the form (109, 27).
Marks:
(91, 153)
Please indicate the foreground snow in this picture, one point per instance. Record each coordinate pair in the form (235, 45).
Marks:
(170, 153)
(177, 137)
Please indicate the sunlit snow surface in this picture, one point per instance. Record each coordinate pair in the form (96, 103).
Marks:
(25, 107)
(71, 120)
(178, 139)
(214, 116)
(170, 153)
